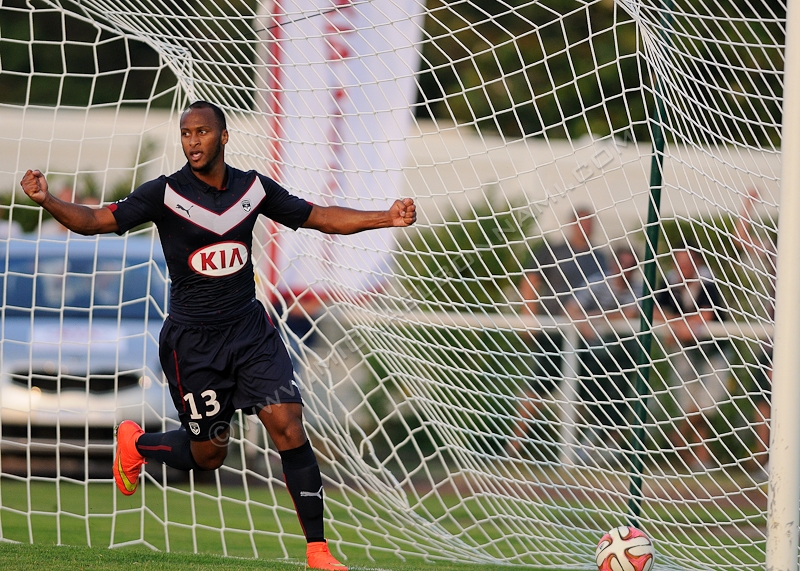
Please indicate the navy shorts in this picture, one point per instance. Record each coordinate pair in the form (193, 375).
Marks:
(213, 369)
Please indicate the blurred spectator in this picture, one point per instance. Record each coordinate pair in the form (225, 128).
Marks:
(554, 280)
(555, 273)
(608, 350)
(615, 296)
(689, 300)
(760, 254)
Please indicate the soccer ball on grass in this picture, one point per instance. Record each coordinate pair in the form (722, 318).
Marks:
(625, 548)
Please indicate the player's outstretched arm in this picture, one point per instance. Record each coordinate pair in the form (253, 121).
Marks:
(77, 217)
(340, 220)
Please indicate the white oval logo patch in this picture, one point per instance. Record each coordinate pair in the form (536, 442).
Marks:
(221, 259)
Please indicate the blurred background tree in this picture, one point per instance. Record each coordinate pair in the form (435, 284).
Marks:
(72, 62)
(552, 68)
(560, 68)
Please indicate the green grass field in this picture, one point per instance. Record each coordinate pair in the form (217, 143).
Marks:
(39, 515)
(69, 558)
(66, 517)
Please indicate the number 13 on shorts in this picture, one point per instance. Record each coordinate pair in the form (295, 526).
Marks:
(210, 402)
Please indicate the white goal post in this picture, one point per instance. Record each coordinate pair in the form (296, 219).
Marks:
(576, 335)
(784, 491)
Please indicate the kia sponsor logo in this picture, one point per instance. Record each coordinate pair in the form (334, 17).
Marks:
(221, 259)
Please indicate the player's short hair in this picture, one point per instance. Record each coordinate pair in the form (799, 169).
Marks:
(218, 113)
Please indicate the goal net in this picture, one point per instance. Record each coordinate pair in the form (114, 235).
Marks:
(575, 335)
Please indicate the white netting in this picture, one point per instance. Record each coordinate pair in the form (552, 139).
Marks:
(474, 389)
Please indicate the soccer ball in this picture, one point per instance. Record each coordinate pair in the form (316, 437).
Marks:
(625, 548)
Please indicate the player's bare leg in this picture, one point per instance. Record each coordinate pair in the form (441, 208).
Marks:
(527, 413)
(210, 454)
(761, 452)
(284, 423)
(702, 432)
(690, 439)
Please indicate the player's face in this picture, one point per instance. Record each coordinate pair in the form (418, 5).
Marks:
(202, 139)
(582, 227)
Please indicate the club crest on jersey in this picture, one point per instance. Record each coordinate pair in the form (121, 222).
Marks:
(220, 259)
(246, 206)
(195, 428)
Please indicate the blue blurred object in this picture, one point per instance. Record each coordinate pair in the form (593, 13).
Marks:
(79, 346)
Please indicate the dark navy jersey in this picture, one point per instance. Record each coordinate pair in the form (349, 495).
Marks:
(207, 235)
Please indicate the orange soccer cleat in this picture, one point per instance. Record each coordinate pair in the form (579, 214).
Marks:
(128, 462)
(318, 556)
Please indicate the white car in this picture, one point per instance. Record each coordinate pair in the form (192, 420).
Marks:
(79, 345)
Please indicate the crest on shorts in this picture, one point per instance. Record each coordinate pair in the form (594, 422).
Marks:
(246, 206)
(195, 428)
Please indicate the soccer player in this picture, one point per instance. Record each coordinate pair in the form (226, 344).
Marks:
(218, 348)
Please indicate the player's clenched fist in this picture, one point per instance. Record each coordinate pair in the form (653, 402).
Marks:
(403, 212)
(34, 185)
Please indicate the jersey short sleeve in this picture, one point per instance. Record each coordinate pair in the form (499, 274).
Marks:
(145, 204)
(283, 207)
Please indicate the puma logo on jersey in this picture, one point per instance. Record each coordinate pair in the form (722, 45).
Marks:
(186, 210)
(220, 259)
